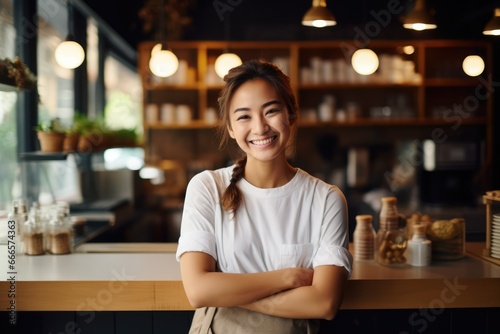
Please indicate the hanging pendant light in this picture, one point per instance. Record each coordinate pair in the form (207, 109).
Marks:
(493, 27)
(364, 61)
(225, 62)
(228, 59)
(69, 54)
(163, 62)
(419, 18)
(318, 16)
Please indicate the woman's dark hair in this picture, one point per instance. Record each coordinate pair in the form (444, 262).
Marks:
(237, 76)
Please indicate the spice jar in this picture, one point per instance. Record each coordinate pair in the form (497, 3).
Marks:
(59, 234)
(419, 247)
(33, 235)
(364, 238)
(391, 241)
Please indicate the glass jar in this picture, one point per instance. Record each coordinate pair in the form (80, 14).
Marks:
(33, 235)
(419, 247)
(391, 241)
(364, 238)
(59, 234)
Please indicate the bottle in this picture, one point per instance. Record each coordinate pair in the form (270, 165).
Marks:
(33, 235)
(18, 217)
(419, 247)
(59, 234)
(391, 241)
(364, 238)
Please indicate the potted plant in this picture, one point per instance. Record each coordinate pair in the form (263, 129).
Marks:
(51, 136)
(74, 132)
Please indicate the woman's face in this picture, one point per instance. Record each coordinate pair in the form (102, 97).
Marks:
(259, 121)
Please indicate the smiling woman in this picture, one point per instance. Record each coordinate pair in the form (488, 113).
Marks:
(262, 230)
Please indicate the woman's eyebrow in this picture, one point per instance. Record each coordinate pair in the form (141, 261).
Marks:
(267, 104)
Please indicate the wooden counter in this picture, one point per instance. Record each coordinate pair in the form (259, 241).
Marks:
(118, 277)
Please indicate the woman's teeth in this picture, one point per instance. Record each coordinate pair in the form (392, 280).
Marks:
(263, 141)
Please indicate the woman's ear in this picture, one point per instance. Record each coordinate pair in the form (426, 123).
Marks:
(230, 131)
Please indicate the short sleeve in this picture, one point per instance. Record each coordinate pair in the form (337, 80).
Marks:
(334, 242)
(198, 216)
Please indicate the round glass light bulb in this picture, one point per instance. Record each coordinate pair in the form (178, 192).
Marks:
(69, 54)
(364, 61)
(408, 49)
(163, 63)
(473, 65)
(225, 62)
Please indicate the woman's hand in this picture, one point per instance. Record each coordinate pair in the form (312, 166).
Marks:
(297, 277)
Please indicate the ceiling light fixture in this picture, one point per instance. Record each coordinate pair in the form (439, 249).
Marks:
(364, 61)
(419, 18)
(69, 54)
(493, 27)
(163, 62)
(473, 65)
(319, 16)
(226, 60)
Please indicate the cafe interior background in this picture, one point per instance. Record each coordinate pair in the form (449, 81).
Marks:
(372, 139)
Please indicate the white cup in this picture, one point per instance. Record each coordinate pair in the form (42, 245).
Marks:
(183, 114)
(168, 113)
(152, 113)
(210, 115)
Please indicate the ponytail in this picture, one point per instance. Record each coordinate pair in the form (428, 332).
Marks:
(232, 197)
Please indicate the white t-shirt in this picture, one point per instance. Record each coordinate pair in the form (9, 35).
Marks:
(303, 223)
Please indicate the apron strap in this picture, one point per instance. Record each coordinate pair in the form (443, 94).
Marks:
(207, 320)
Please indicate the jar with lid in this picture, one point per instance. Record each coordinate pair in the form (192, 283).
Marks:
(33, 235)
(391, 240)
(419, 247)
(364, 238)
(59, 234)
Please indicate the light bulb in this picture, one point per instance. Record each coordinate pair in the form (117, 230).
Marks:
(364, 61)
(69, 54)
(225, 62)
(163, 63)
(473, 65)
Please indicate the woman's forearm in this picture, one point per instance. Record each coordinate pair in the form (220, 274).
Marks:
(321, 300)
(205, 286)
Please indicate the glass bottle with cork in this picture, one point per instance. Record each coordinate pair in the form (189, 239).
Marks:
(33, 234)
(59, 234)
(391, 241)
(364, 238)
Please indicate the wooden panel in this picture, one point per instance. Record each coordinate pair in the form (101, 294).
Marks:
(133, 322)
(93, 322)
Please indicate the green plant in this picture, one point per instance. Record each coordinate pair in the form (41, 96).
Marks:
(54, 125)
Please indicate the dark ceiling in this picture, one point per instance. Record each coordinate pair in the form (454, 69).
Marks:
(280, 19)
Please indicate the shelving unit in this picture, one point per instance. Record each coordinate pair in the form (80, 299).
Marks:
(432, 88)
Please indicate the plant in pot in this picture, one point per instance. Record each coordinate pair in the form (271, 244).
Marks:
(74, 132)
(51, 136)
(93, 135)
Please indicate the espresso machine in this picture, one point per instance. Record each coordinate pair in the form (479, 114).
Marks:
(448, 172)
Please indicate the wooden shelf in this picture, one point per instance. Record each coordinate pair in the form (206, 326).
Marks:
(358, 85)
(435, 81)
(452, 82)
(196, 124)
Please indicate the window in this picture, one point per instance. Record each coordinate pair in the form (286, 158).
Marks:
(9, 188)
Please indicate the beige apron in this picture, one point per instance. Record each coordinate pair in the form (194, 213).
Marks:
(235, 320)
